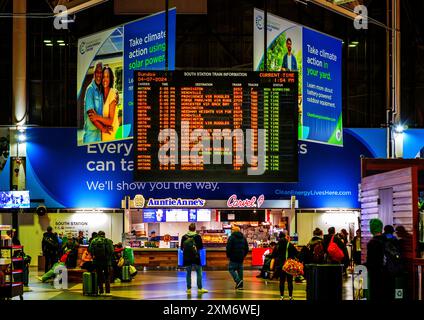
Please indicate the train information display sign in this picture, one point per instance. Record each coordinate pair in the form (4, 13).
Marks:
(215, 126)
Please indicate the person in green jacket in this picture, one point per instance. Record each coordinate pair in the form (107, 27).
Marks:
(101, 249)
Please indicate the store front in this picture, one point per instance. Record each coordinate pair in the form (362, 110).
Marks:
(156, 229)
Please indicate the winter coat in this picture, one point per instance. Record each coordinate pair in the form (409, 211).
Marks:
(237, 247)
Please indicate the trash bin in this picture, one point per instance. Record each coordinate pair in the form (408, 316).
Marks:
(324, 282)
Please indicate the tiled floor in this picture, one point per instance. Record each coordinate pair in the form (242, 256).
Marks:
(171, 285)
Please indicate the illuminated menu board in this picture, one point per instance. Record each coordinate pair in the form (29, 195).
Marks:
(215, 126)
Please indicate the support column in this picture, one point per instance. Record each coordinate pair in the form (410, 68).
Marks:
(19, 74)
(19, 50)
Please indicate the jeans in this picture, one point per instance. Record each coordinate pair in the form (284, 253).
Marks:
(236, 271)
(103, 276)
(198, 270)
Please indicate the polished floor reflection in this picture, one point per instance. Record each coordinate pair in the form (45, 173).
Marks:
(171, 285)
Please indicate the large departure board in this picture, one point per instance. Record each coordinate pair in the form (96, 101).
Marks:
(215, 126)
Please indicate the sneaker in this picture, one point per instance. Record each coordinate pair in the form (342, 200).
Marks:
(240, 288)
(282, 298)
(290, 298)
(108, 294)
(40, 278)
(203, 290)
(188, 291)
(239, 284)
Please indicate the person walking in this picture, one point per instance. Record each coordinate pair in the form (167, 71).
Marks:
(284, 250)
(191, 244)
(50, 247)
(237, 249)
(101, 249)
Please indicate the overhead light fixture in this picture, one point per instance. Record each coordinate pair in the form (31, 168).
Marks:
(21, 137)
(47, 41)
(400, 128)
(354, 42)
(352, 45)
(60, 41)
(49, 44)
(62, 44)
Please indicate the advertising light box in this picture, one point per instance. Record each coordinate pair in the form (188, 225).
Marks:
(14, 199)
(176, 215)
(317, 59)
(106, 62)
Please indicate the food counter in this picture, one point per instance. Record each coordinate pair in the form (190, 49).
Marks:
(168, 258)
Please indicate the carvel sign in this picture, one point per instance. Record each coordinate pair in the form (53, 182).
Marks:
(253, 202)
(100, 176)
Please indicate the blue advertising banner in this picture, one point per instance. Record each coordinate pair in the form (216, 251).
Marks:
(144, 49)
(106, 63)
(317, 58)
(101, 175)
(322, 88)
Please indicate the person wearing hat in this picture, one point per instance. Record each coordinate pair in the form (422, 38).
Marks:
(375, 261)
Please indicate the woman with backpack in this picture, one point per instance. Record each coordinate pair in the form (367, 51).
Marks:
(316, 251)
(283, 251)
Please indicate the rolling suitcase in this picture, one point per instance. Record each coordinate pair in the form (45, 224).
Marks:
(89, 284)
(128, 255)
(126, 277)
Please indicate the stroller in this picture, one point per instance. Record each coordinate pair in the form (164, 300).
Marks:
(266, 268)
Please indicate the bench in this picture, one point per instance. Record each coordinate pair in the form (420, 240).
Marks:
(75, 274)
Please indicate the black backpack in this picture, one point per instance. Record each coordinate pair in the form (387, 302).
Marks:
(99, 249)
(49, 245)
(392, 256)
(189, 248)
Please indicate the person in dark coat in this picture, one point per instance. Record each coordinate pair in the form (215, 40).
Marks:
(50, 247)
(191, 244)
(340, 244)
(237, 249)
(316, 240)
(375, 261)
(279, 254)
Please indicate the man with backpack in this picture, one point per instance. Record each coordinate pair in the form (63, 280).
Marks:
(101, 249)
(191, 244)
(375, 261)
(393, 264)
(50, 247)
(237, 249)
